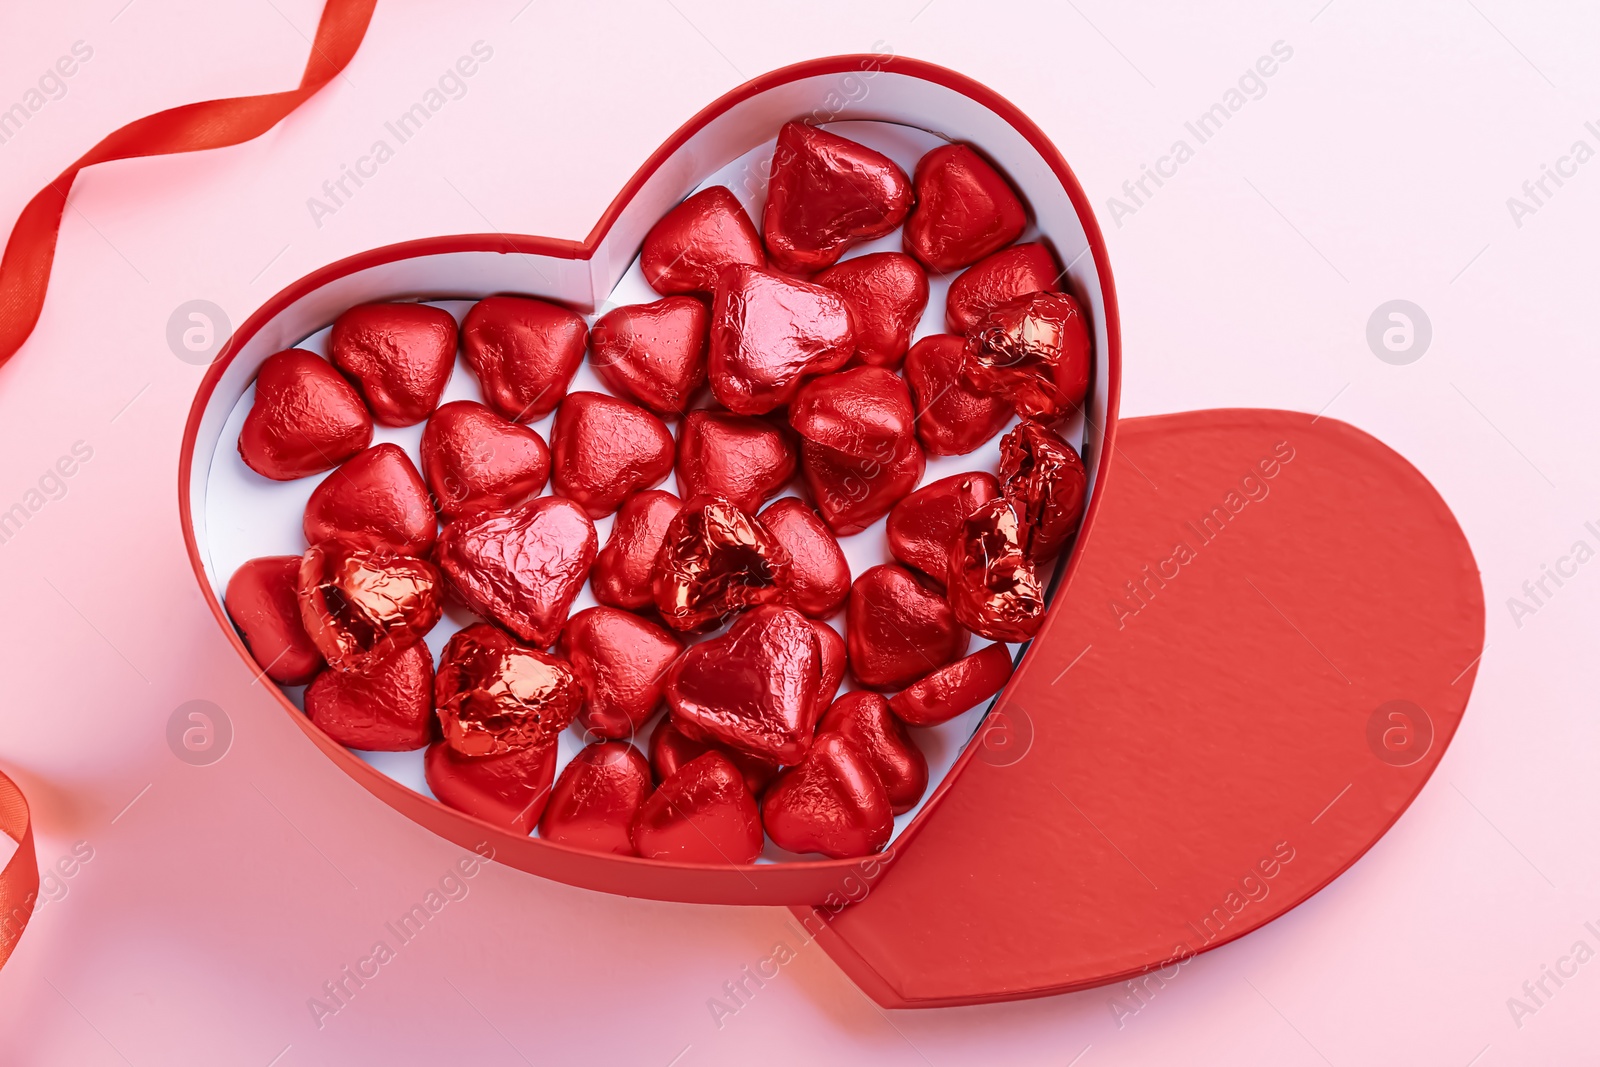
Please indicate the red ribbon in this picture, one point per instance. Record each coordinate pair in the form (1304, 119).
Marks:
(25, 274)
(25, 268)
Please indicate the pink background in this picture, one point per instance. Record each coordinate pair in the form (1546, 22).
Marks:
(1376, 166)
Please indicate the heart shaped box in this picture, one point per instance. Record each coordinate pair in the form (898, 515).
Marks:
(1168, 737)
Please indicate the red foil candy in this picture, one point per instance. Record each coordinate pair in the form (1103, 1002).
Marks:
(832, 803)
(715, 561)
(684, 251)
(386, 708)
(653, 353)
(768, 332)
(834, 657)
(924, 525)
(1006, 275)
(622, 571)
(954, 688)
(702, 814)
(747, 460)
(305, 419)
(753, 689)
(263, 603)
(671, 748)
(1044, 479)
(524, 353)
(522, 568)
(852, 494)
(898, 628)
(952, 417)
(376, 500)
(994, 588)
(474, 460)
(860, 413)
(965, 210)
(495, 696)
(510, 790)
(864, 718)
(362, 606)
(596, 799)
(887, 293)
(826, 194)
(1034, 351)
(621, 661)
(399, 355)
(819, 575)
(604, 449)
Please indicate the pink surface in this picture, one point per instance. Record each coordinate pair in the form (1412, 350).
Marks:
(1376, 164)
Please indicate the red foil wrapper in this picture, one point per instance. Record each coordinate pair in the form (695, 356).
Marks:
(860, 413)
(952, 417)
(832, 802)
(653, 353)
(852, 494)
(1043, 477)
(509, 790)
(524, 353)
(965, 210)
(693, 242)
(1006, 275)
(376, 500)
(753, 689)
(362, 606)
(596, 799)
(522, 568)
(819, 574)
(495, 696)
(475, 460)
(1033, 350)
(715, 561)
(954, 688)
(864, 718)
(603, 450)
(746, 460)
(263, 601)
(826, 194)
(769, 332)
(400, 357)
(386, 708)
(923, 526)
(994, 587)
(887, 293)
(622, 571)
(305, 418)
(621, 661)
(702, 814)
(671, 748)
(898, 628)
(834, 657)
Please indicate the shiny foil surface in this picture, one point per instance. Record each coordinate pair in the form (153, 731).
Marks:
(834, 656)
(965, 210)
(603, 450)
(826, 194)
(524, 353)
(990, 282)
(819, 572)
(852, 494)
(375, 500)
(832, 802)
(400, 356)
(521, 568)
(305, 419)
(693, 242)
(754, 688)
(715, 561)
(768, 333)
(264, 603)
(994, 587)
(923, 526)
(671, 748)
(864, 717)
(953, 418)
(596, 799)
(745, 459)
(654, 353)
(702, 814)
(495, 696)
(475, 460)
(887, 293)
(1043, 477)
(954, 688)
(510, 790)
(898, 628)
(386, 708)
(620, 577)
(860, 413)
(1033, 350)
(621, 661)
(361, 606)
